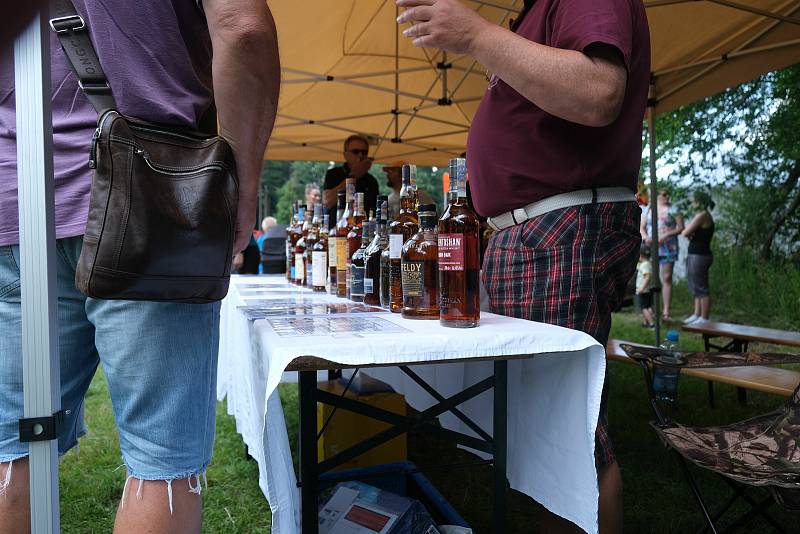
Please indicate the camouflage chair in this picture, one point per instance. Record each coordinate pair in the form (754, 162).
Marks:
(760, 452)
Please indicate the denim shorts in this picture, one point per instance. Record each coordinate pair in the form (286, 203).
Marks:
(160, 360)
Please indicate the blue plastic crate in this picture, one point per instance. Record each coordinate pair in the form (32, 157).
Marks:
(403, 479)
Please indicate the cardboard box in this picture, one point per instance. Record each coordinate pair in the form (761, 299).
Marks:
(347, 428)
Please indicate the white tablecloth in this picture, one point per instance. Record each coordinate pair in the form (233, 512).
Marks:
(553, 397)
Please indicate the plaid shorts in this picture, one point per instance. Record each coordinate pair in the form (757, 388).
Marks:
(568, 267)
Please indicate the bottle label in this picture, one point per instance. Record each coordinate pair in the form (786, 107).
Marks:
(413, 278)
(451, 252)
(369, 286)
(395, 246)
(319, 268)
(356, 281)
(299, 268)
(341, 253)
(332, 259)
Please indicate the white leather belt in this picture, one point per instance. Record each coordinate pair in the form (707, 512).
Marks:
(557, 202)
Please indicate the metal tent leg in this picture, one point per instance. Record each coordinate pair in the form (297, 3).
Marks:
(41, 374)
(308, 451)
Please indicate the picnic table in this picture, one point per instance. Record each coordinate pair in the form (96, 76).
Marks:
(740, 336)
(549, 377)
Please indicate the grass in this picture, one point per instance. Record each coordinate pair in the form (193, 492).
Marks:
(657, 499)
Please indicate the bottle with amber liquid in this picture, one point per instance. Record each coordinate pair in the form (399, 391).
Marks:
(358, 265)
(419, 268)
(354, 237)
(400, 231)
(300, 251)
(372, 275)
(319, 262)
(311, 239)
(332, 244)
(459, 255)
(343, 227)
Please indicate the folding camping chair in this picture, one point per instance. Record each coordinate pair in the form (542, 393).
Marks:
(762, 452)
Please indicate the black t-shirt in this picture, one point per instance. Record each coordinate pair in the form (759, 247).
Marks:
(367, 184)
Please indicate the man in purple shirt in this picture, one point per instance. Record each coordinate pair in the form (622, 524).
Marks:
(166, 61)
(554, 151)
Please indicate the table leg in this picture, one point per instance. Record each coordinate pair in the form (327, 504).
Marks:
(739, 346)
(500, 442)
(308, 452)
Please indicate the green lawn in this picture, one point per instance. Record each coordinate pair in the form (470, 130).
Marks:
(656, 497)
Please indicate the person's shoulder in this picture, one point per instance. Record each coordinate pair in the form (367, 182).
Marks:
(335, 172)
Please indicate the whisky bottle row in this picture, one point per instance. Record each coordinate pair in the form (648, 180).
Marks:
(420, 265)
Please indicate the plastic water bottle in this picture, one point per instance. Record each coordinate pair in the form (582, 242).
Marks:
(666, 369)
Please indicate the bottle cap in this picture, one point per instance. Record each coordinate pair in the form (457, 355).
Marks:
(673, 336)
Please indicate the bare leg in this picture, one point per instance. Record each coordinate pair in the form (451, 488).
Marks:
(610, 507)
(697, 312)
(15, 505)
(148, 510)
(705, 306)
(666, 288)
(648, 315)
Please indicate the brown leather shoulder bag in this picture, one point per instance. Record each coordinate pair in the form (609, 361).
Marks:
(163, 200)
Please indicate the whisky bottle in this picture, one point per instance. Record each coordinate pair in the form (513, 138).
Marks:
(343, 227)
(311, 240)
(358, 266)
(319, 262)
(400, 231)
(419, 269)
(459, 255)
(299, 252)
(332, 244)
(372, 260)
(354, 237)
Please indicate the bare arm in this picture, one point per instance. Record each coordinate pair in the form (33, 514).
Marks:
(585, 88)
(329, 196)
(696, 222)
(246, 72)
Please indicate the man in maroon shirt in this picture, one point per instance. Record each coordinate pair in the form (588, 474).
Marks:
(554, 150)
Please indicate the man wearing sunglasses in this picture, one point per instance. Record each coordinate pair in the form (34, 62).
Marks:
(356, 165)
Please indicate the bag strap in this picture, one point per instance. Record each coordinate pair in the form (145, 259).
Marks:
(72, 33)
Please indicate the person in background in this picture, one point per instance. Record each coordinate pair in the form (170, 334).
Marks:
(313, 195)
(273, 247)
(670, 225)
(394, 179)
(700, 231)
(559, 129)
(644, 296)
(167, 61)
(356, 165)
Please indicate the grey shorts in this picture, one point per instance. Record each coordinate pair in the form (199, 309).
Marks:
(697, 267)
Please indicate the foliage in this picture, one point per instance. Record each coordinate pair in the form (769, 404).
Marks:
(745, 139)
(273, 175)
(300, 174)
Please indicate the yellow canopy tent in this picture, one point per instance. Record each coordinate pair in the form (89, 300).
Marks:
(348, 70)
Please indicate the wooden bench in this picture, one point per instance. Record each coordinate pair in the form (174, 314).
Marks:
(772, 380)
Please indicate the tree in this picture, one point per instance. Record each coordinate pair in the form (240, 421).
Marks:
(745, 140)
(300, 174)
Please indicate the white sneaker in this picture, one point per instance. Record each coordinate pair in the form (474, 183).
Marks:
(699, 321)
(692, 318)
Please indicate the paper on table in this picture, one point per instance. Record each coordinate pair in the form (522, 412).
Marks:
(333, 326)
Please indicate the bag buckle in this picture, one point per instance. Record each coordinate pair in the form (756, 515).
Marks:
(94, 88)
(70, 23)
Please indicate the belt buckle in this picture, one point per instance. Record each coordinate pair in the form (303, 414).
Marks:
(66, 24)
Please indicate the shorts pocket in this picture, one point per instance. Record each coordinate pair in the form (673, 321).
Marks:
(9, 272)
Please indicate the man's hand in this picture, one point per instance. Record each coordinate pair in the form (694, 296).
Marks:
(445, 24)
(361, 167)
(246, 74)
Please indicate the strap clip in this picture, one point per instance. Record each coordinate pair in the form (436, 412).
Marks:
(91, 88)
(41, 428)
(70, 23)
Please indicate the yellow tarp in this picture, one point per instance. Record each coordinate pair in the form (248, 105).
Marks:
(346, 70)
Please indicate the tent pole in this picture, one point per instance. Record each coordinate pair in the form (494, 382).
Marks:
(656, 276)
(40, 367)
(396, 110)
